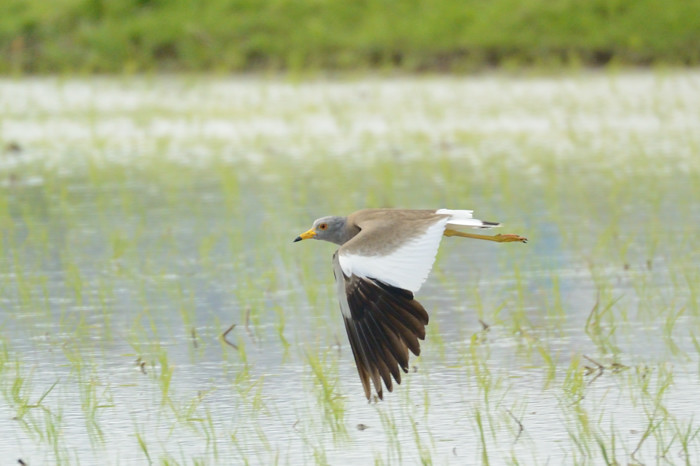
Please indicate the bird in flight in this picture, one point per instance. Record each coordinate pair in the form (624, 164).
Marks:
(384, 257)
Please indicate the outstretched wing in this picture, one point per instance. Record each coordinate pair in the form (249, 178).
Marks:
(383, 323)
(405, 266)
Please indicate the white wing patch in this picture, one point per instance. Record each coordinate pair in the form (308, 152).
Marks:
(463, 218)
(407, 267)
(455, 213)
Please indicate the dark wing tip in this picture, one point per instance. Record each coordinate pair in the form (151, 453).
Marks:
(385, 324)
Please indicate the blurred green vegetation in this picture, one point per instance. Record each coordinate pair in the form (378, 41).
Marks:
(37, 36)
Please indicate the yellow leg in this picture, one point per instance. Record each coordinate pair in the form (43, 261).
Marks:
(497, 238)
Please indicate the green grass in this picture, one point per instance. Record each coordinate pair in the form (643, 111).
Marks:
(231, 35)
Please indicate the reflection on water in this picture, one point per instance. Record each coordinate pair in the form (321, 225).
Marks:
(115, 288)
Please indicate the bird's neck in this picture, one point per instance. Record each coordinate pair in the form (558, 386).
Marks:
(349, 232)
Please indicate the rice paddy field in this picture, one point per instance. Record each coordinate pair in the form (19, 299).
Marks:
(153, 308)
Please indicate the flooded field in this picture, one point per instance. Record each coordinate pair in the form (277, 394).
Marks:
(142, 218)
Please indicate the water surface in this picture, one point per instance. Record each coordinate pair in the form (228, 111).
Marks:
(140, 218)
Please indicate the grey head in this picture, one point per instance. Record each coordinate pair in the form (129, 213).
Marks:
(331, 228)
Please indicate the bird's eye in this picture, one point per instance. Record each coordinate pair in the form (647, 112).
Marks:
(323, 226)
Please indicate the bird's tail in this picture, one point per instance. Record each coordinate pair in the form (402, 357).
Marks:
(463, 218)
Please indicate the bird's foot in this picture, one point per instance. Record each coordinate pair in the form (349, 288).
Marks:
(509, 238)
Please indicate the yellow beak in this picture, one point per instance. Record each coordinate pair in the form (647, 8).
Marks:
(306, 235)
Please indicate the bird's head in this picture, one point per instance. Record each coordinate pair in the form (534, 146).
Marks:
(326, 228)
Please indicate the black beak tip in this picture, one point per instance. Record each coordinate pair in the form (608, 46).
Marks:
(298, 238)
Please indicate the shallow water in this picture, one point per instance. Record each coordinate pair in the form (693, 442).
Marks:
(142, 217)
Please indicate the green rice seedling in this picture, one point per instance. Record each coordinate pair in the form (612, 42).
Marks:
(165, 375)
(263, 439)
(120, 244)
(521, 329)
(21, 401)
(664, 446)
(280, 327)
(477, 367)
(144, 448)
(692, 278)
(53, 430)
(653, 385)
(437, 342)
(243, 375)
(255, 395)
(578, 426)
(640, 380)
(595, 327)
(186, 307)
(646, 294)
(169, 460)
(687, 434)
(653, 424)
(555, 311)
(236, 440)
(330, 400)
(247, 295)
(696, 345)
(320, 456)
(424, 450)
(209, 428)
(607, 446)
(105, 296)
(4, 355)
(391, 432)
(482, 438)
(478, 304)
(186, 412)
(92, 404)
(206, 246)
(579, 434)
(669, 324)
(550, 364)
(23, 284)
(664, 383)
